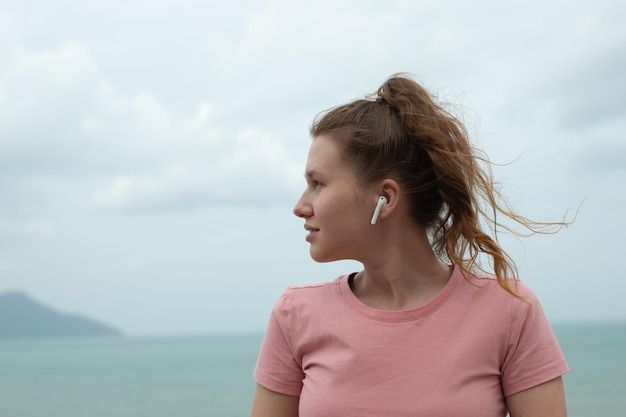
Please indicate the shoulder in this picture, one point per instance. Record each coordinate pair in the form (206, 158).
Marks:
(302, 309)
(489, 282)
(297, 297)
(485, 290)
(310, 287)
(519, 310)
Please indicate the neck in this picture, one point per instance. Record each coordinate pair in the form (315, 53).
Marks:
(403, 275)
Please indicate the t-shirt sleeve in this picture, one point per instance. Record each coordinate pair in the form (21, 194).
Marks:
(533, 352)
(277, 367)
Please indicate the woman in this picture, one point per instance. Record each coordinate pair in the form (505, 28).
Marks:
(393, 182)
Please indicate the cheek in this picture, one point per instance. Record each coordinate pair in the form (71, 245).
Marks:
(337, 212)
(342, 207)
(350, 217)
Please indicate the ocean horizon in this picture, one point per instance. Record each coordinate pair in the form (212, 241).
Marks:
(211, 375)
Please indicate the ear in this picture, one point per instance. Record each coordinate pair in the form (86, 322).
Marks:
(390, 189)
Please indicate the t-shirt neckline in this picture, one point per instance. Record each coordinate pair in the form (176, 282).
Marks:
(401, 315)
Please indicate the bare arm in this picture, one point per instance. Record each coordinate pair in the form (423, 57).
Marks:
(268, 403)
(545, 400)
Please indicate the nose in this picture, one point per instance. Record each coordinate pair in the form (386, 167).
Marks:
(303, 208)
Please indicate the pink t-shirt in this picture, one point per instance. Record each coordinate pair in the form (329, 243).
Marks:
(458, 355)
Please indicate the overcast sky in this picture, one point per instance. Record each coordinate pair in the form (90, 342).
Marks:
(151, 151)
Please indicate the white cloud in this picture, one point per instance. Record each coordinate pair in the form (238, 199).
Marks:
(204, 113)
(254, 169)
(63, 118)
(311, 48)
(9, 28)
(92, 125)
(44, 89)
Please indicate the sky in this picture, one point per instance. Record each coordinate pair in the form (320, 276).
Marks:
(151, 152)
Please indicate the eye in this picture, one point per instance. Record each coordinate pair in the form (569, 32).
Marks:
(314, 183)
(313, 180)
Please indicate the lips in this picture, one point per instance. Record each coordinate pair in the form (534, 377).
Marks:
(310, 228)
(312, 231)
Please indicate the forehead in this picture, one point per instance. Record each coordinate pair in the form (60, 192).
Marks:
(324, 156)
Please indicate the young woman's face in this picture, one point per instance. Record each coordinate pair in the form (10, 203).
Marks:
(336, 208)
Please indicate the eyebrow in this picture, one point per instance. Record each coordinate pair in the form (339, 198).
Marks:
(312, 173)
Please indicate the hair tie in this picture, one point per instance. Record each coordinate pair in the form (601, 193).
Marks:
(380, 96)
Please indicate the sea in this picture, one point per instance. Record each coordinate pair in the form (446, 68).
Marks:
(211, 376)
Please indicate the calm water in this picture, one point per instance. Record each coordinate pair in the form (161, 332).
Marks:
(211, 376)
(596, 384)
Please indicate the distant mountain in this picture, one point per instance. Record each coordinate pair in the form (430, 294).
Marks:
(22, 317)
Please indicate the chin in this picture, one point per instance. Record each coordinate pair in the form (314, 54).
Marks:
(321, 259)
(324, 257)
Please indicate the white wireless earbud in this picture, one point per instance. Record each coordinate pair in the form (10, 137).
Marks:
(381, 202)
